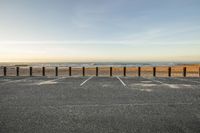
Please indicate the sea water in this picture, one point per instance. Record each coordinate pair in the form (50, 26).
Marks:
(94, 64)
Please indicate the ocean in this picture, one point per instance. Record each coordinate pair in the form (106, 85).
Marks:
(94, 64)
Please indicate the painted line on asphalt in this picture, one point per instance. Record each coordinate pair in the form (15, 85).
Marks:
(187, 80)
(121, 81)
(50, 81)
(108, 105)
(168, 85)
(15, 81)
(130, 104)
(154, 80)
(86, 80)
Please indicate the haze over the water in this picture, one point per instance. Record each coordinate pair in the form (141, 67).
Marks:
(99, 30)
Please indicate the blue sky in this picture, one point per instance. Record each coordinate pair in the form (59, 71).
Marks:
(100, 30)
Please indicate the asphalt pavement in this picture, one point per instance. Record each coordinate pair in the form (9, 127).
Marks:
(99, 105)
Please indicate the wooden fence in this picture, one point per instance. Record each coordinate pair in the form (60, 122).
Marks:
(122, 71)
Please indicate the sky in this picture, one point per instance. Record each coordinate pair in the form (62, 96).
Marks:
(99, 30)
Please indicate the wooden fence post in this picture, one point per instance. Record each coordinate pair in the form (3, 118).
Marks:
(97, 71)
(184, 72)
(70, 71)
(43, 71)
(139, 71)
(169, 71)
(56, 71)
(4, 71)
(31, 71)
(110, 71)
(83, 71)
(199, 71)
(154, 71)
(17, 71)
(124, 71)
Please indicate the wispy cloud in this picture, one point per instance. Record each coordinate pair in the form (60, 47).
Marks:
(102, 29)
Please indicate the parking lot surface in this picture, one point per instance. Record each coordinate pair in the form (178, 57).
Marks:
(99, 105)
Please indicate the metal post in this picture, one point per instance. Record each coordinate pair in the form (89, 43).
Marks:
(83, 71)
(43, 71)
(184, 72)
(17, 71)
(31, 71)
(56, 71)
(169, 71)
(5, 71)
(97, 71)
(70, 71)
(154, 71)
(139, 71)
(124, 71)
(110, 71)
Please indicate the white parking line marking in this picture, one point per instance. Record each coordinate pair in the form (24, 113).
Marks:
(86, 80)
(15, 81)
(121, 81)
(158, 81)
(130, 104)
(51, 81)
(111, 105)
(187, 80)
(169, 85)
